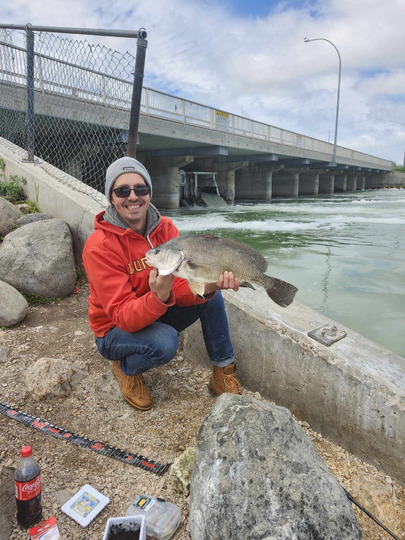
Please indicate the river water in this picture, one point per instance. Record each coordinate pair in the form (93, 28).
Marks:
(345, 253)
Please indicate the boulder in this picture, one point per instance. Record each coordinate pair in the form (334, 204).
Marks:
(30, 218)
(53, 377)
(257, 476)
(13, 306)
(9, 215)
(38, 259)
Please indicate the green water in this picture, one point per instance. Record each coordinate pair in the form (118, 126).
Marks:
(344, 252)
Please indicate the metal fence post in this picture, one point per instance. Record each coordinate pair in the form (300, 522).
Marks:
(141, 45)
(30, 94)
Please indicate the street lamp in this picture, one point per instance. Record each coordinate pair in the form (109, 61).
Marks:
(338, 92)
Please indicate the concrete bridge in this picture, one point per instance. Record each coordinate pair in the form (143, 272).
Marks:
(245, 159)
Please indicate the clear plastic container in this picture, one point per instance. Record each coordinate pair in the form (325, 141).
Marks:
(161, 517)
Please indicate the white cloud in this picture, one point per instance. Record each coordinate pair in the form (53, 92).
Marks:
(260, 67)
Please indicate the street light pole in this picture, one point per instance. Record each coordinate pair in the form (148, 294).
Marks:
(338, 92)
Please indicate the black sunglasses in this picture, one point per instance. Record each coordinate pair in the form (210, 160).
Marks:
(124, 191)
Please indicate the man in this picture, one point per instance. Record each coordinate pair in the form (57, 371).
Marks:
(135, 313)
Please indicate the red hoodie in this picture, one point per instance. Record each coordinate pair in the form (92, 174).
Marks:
(118, 274)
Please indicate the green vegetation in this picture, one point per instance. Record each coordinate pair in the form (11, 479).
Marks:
(38, 299)
(399, 168)
(31, 208)
(2, 166)
(13, 189)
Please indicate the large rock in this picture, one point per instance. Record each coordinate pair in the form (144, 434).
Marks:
(13, 306)
(9, 215)
(30, 218)
(38, 259)
(257, 476)
(53, 377)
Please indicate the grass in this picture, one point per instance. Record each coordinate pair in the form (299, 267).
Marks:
(38, 299)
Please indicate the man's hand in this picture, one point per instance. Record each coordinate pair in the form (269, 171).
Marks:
(226, 281)
(160, 285)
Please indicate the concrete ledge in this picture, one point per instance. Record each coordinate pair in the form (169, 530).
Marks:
(352, 392)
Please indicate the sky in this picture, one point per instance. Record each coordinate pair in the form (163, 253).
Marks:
(248, 57)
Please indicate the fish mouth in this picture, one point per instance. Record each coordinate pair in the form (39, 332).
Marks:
(171, 269)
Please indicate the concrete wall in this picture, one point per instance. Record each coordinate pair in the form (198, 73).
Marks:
(352, 393)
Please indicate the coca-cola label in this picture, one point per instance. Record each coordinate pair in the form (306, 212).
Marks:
(25, 491)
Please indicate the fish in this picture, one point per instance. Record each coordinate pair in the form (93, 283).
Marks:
(201, 259)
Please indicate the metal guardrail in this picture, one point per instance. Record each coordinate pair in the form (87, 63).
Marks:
(65, 78)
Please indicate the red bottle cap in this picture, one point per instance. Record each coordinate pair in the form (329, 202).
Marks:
(26, 451)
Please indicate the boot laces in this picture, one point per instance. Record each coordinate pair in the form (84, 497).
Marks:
(137, 383)
(231, 383)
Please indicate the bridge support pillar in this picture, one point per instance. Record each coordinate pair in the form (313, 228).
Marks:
(327, 182)
(286, 182)
(165, 178)
(351, 182)
(309, 183)
(254, 182)
(360, 182)
(231, 182)
(340, 183)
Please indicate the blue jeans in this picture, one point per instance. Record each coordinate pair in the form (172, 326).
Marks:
(157, 343)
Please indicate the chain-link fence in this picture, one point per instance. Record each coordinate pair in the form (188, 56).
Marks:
(82, 95)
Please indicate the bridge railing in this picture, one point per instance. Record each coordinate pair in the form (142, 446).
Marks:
(67, 79)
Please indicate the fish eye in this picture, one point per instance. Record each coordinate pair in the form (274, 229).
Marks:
(157, 250)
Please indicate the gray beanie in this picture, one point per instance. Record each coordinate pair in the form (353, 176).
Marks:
(123, 165)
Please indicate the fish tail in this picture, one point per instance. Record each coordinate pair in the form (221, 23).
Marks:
(281, 292)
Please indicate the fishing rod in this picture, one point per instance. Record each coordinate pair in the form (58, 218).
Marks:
(370, 515)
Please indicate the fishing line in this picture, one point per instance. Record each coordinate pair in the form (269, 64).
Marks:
(370, 515)
(96, 446)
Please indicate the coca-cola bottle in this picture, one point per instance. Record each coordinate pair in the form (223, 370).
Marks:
(27, 480)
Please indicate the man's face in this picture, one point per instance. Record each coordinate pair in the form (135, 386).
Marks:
(133, 208)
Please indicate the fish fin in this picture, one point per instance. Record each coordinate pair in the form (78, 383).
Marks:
(246, 284)
(281, 292)
(196, 287)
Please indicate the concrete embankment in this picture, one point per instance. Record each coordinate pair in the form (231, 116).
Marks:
(352, 392)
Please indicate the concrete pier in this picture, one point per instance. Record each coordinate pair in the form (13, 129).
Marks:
(351, 182)
(326, 182)
(360, 182)
(286, 182)
(340, 183)
(309, 183)
(165, 174)
(254, 182)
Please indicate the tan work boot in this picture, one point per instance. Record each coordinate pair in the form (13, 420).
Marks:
(133, 388)
(224, 380)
